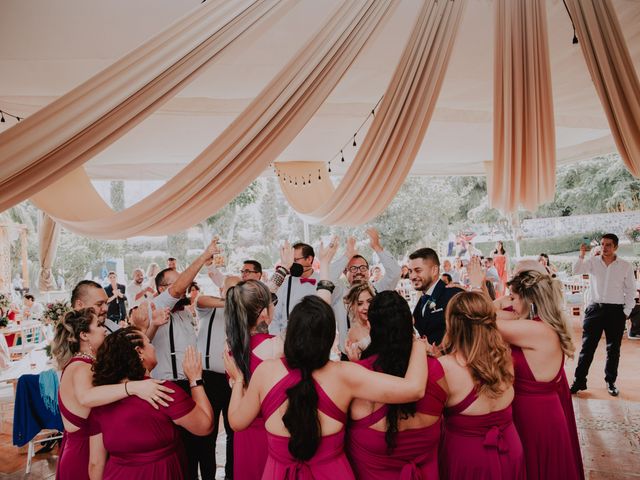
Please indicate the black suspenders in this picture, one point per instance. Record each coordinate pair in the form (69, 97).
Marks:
(206, 352)
(172, 346)
(288, 296)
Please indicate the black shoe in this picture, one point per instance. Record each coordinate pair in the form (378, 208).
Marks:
(577, 386)
(612, 389)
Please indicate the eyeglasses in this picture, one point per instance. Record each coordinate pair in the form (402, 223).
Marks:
(361, 268)
(246, 272)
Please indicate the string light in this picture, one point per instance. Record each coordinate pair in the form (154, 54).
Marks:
(351, 142)
(3, 113)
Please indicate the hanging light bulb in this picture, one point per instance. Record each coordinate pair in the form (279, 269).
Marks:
(319, 177)
(342, 155)
(2, 117)
(354, 141)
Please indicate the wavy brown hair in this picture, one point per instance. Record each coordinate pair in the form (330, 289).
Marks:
(351, 298)
(544, 293)
(118, 358)
(472, 333)
(66, 340)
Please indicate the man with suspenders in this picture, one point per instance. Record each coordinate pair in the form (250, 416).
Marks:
(170, 341)
(211, 343)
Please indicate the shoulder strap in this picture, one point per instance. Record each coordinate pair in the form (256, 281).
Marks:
(172, 347)
(288, 296)
(207, 352)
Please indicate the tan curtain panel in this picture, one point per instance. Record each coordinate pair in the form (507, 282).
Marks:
(245, 149)
(395, 136)
(48, 233)
(66, 133)
(304, 184)
(612, 72)
(524, 144)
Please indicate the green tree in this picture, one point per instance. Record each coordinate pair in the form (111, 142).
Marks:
(223, 223)
(269, 214)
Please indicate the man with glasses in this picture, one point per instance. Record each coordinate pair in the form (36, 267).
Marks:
(299, 283)
(251, 270)
(357, 270)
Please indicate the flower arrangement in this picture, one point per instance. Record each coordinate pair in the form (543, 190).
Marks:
(633, 234)
(56, 311)
(5, 305)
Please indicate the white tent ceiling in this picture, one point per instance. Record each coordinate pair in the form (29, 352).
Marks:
(47, 48)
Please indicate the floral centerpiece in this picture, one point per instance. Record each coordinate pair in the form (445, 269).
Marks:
(56, 311)
(5, 305)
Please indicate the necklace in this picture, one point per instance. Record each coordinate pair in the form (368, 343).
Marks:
(88, 356)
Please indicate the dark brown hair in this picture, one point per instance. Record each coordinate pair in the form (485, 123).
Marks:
(118, 359)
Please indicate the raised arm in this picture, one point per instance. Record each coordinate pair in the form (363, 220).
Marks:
(582, 266)
(325, 255)
(391, 266)
(179, 287)
(383, 388)
(207, 301)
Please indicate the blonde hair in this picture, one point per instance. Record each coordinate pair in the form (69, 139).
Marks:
(66, 341)
(352, 296)
(545, 294)
(472, 332)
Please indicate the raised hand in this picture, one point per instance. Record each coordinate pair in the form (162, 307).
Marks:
(583, 250)
(351, 250)
(230, 366)
(374, 239)
(286, 255)
(475, 274)
(326, 254)
(192, 364)
(213, 248)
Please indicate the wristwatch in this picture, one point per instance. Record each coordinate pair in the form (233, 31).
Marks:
(197, 383)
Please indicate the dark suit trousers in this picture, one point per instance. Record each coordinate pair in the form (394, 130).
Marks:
(217, 387)
(598, 318)
(199, 450)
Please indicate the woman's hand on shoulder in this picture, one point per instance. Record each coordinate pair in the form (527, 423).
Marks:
(152, 391)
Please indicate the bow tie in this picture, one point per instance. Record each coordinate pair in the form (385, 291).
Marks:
(310, 280)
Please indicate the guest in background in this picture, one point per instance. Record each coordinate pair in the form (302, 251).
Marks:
(137, 290)
(153, 448)
(172, 263)
(501, 262)
(31, 310)
(543, 258)
(446, 279)
(152, 271)
(117, 310)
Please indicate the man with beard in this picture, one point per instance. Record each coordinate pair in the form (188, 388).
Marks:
(137, 290)
(424, 271)
(171, 340)
(356, 269)
(88, 293)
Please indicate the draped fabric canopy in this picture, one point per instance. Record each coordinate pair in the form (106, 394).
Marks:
(289, 80)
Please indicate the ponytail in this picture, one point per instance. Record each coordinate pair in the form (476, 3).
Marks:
(311, 332)
(243, 304)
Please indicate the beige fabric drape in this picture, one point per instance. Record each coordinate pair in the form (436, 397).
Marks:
(524, 145)
(260, 133)
(611, 68)
(394, 138)
(48, 233)
(304, 197)
(65, 134)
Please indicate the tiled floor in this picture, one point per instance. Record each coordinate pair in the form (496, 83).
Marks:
(609, 428)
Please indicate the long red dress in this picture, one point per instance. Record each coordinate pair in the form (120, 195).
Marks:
(73, 458)
(416, 453)
(143, 442)
(250, 444)
(480, 447)
(543, 415)
(329, 461)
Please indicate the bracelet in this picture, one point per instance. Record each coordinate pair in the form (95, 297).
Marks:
(326, 285)
(125, 389)
(232, 382)
(282, 270)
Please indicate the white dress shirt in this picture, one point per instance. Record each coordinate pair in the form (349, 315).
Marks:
(217, 340)
(133, 289)
(609, 284)
(298, 290)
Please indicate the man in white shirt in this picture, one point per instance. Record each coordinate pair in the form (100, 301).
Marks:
(31, 310)
(136, 290)
(356, 269)
(613, 288)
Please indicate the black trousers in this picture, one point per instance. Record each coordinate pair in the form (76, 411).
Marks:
(217, 388)
(598, 318)
(200, 451)
(635, 321)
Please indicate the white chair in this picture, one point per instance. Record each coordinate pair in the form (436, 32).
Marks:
(29, 337)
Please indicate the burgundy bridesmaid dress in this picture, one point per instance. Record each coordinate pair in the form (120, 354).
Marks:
(250, 444)
(415, 456)
(143, 442)
(543, 415)
(329, 461)
(480, 447)
(73, 458)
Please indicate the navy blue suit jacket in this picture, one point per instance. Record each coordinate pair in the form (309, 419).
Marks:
(432, 323)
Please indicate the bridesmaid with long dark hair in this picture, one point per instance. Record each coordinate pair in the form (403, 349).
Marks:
(480, 439)
(304, 397)
(387, 441)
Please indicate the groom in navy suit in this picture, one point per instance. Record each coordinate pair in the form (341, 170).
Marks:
(424, 272)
